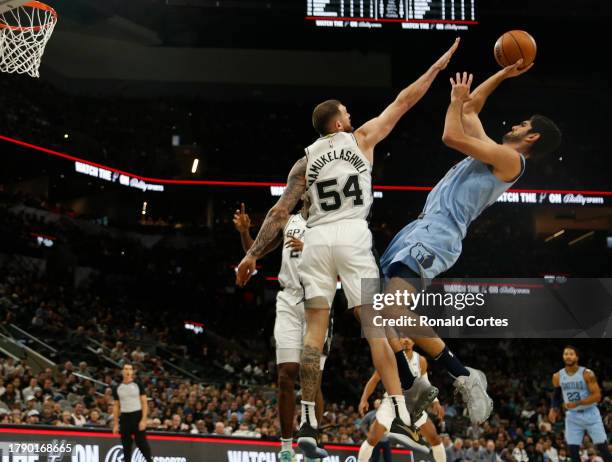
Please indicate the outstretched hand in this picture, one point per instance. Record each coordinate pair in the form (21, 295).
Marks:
(461, 87)
(515, 70)
(242, 221)
(446, 57)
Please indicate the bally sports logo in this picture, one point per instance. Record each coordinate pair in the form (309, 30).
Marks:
(115, 454)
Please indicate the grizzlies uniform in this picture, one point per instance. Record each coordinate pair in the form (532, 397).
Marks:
(338, 241)
(432, 244)
(584, 418)
(290, 323)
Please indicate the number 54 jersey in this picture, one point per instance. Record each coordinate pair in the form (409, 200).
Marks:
(338, 180)
(338, 241)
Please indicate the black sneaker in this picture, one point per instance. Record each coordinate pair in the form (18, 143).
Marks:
(407, 435)
(307, 439)
(426, 397)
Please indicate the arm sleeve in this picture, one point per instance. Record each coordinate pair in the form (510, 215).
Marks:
(141, 390)
(115, 394)
(557, 398)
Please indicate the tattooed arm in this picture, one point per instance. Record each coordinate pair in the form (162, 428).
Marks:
(274, 222)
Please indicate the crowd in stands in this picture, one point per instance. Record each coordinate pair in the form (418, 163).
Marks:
(518, 430)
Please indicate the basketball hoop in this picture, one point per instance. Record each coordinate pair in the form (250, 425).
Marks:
(24, 32)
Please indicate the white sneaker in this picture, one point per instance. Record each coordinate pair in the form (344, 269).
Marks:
(473, 390)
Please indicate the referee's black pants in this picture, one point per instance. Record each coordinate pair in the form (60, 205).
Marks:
(128, 426)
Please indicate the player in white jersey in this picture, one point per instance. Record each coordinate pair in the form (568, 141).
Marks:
(412, 368)
(289, 325)
(336, 171)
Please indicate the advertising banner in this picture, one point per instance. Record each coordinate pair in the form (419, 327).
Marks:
(46, 444)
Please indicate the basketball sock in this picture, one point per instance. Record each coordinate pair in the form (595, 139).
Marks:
(286, 444)
(439, 453)
(365, 452)
(604, 452)
(308, 414)
(452, 363)
(574, 451)
(403, 369)
(399, 407)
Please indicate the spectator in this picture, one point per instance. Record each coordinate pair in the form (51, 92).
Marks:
(536, 453)
(456, 453)
(490, 454)
(31, 389)
(220, 429)
(519, 453)
(474, 452)
(94, 419)
(16, 417)
(178, 425)
(32, 417)
(563, 457)
(48, 416)
(550, 452)
(67, 420)
(10, 396)
(593, 457)
(78, 418)
(200, 428)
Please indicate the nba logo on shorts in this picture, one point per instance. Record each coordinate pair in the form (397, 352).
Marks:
(422, 255)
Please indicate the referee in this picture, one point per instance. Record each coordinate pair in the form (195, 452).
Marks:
(130, 414)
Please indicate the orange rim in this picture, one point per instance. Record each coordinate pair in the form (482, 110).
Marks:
(37, 5)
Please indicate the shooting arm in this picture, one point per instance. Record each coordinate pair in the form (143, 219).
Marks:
(481, 93)
(471, 122)
(275, 220)
(505, 161)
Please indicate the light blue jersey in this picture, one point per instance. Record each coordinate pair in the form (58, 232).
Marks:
(432, 244)
(574, 387)
(582, 419)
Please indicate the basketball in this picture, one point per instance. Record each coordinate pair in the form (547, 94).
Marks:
(514, 45)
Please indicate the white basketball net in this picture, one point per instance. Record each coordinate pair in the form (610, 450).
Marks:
(24, 32)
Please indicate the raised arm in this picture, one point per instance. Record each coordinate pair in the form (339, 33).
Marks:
(242, 223)
(375, 130)
(367, 392)
(471, 109)
(505, 161)
(274, 222)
